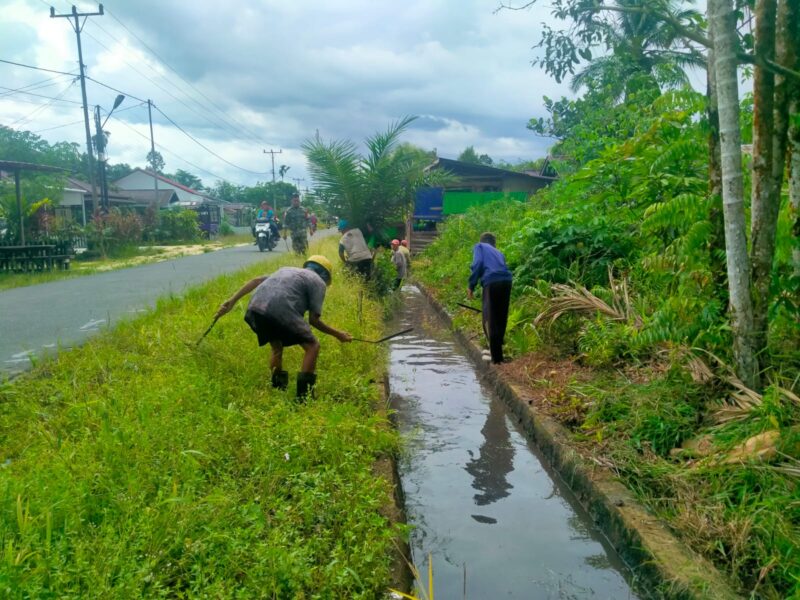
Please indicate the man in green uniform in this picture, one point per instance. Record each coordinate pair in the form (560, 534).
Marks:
(295, 222)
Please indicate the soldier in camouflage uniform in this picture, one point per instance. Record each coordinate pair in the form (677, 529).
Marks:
(296, 222)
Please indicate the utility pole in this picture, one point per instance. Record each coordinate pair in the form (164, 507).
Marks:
(153, 153)
(297, 181)
(78, 27)
(273, 153)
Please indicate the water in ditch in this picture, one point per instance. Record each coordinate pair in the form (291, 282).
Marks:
(480, 501)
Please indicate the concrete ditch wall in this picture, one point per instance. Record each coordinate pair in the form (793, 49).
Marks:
(658, 559)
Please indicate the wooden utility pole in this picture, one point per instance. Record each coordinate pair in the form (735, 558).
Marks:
(153, 152)
(272, 153)
(78, 27)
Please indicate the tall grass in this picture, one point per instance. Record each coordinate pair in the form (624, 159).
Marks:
(142, 466)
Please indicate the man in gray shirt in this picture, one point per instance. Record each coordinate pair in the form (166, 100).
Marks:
(275, 314)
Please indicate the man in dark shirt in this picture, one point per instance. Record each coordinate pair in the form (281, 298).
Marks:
(275, 314)
(489, 268)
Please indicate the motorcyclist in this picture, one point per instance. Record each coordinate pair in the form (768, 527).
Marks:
(266, 214)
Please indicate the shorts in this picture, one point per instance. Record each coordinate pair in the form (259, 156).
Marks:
(271, 330)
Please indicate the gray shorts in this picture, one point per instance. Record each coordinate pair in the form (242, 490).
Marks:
(271, 330)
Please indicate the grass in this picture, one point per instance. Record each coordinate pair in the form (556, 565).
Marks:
(140, 465)
(127, 257)
(745, 516)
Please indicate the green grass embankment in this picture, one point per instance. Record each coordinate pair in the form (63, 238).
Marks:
(140, 465)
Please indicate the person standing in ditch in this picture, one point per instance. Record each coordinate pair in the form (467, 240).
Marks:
(295, 221)
(275, 314)
(353, 250)
(400, 264)
(489, 268)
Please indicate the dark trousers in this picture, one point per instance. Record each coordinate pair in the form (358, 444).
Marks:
(495, 300)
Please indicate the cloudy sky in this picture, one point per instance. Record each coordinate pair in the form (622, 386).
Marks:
(242, 77)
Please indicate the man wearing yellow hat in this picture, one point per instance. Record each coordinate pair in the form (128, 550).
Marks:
(276, 315)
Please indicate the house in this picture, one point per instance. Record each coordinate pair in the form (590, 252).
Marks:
(473, 184)
(76, 201)
(144, 180)
(209, 209)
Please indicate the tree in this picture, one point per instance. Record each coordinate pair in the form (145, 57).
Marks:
(155, 161)
(282, 170)
(188, 179)
(723, 32)
(646, 51)
(225, 190)
(470, 156)
(773, 51)
(118, 171)
(368, 190)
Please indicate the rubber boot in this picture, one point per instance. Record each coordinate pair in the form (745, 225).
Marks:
(280, 379)
(305, 384)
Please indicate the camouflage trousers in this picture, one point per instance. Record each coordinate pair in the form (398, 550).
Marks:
(299, 242)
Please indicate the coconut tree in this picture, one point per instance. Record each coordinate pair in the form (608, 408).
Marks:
(645, 50)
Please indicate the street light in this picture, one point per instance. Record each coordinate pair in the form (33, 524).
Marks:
(100, 141)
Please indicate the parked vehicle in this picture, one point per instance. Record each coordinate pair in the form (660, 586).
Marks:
(265, 237)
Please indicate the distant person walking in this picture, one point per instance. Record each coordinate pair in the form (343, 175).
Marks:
(295, 222)
(489, 268)
(353, 250)
(400, 264)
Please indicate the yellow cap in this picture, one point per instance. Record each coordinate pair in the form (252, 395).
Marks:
(322, 262)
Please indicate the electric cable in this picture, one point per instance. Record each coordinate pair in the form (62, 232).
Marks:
(43, 106)
(167, 150)
(233, 122)
(187, 134)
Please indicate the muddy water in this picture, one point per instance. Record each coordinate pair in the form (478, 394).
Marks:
(481, 502)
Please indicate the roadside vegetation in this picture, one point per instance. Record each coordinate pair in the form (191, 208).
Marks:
(629, 320)
(145, 465)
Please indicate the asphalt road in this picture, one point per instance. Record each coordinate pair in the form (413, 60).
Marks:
(37, 320)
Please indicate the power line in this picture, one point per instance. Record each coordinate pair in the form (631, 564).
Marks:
(235, 123)
(38, 85)
(165, 149)
(43, 106)
(10, 91)
(187, 134)
(162, 88)
(113, 89)
(57, 126)
(11, 62)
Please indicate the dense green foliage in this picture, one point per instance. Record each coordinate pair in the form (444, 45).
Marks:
(635, 225)
(142, 465)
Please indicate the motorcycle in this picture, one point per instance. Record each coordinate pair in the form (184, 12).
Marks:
(265, 237)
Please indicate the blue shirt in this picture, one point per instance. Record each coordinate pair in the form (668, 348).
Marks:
(488, 266)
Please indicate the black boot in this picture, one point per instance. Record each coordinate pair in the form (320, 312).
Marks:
(305, 384)
(280, 379)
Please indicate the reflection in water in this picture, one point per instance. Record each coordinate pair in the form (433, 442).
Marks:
(495, 459)
(479, 500)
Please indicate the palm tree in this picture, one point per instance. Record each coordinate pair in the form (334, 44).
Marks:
(646, 51)
(367, 190)
(282, 170)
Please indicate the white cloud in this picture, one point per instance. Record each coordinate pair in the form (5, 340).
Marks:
(269, 73)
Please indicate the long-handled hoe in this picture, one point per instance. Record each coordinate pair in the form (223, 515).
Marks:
(383, 339)
(207, 331)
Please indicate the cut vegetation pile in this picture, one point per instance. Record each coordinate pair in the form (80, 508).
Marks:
(142, 466)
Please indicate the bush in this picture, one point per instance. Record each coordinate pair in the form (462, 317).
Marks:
(177, 226)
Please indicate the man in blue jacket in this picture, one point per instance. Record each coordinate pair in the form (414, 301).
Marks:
(489, 267)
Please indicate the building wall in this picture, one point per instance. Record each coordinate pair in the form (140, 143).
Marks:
(143, 181)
